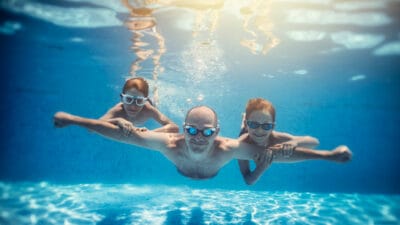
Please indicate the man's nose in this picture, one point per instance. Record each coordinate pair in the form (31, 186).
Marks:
(199, 136)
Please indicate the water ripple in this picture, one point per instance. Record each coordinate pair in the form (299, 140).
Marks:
(43, 203)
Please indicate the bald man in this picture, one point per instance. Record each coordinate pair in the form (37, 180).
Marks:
(198, 152)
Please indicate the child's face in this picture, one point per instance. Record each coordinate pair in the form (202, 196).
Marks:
(133, 101)
(260, 125)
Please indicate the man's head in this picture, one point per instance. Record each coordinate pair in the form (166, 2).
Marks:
(260, 120)
(200, 129)
(134, 95)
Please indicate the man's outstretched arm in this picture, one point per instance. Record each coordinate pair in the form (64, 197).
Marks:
(127, 134)
(104, 128)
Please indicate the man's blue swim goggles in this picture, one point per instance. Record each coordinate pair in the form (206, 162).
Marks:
(193, 131)
(130, 99)
(255, 125)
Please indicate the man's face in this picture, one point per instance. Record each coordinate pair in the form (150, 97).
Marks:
(200, 130)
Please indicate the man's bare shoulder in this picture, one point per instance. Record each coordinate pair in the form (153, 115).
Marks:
(174, 146)
(225, 143)
(236, 148)
(175, 140)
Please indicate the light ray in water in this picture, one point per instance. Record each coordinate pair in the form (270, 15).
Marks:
(258, 24)
(143, 26)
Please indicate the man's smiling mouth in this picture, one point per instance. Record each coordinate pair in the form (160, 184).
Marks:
(198, 142)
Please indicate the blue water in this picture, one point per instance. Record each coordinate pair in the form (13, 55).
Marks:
(331, 68)
(44, 203)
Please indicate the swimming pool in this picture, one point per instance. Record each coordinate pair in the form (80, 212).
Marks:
(331, 69)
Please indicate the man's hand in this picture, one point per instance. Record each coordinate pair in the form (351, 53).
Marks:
(126, 126)
(341, 154)
(62, 119)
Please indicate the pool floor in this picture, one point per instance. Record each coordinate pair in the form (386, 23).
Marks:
(45, 203)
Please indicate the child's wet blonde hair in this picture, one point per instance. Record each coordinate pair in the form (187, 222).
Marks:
(255, 104)
(139, 83)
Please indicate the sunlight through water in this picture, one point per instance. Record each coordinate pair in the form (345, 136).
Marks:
(44, 203)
